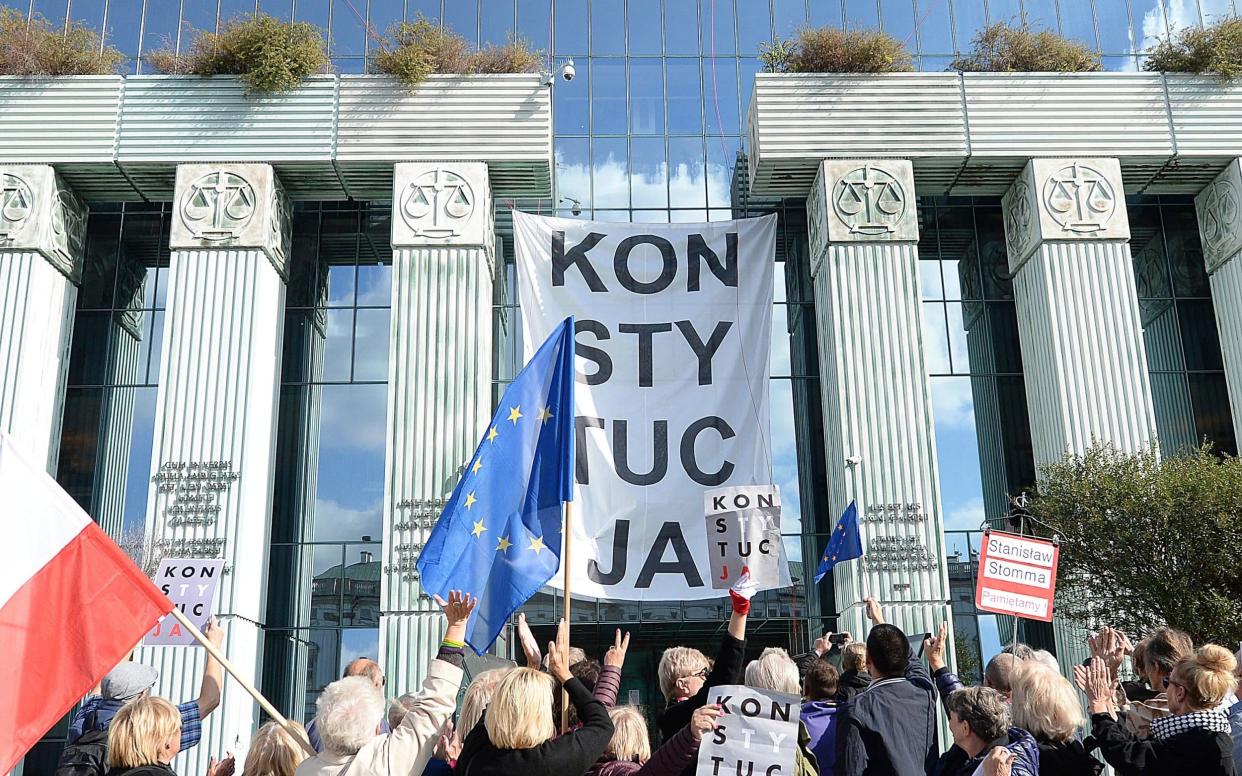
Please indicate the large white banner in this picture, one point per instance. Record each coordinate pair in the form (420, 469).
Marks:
(673, 325)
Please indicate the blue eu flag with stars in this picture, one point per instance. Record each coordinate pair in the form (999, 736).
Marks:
(845, 544)
(499, 536)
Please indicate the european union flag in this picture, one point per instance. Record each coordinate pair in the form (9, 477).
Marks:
(845, 544)
(499, 536)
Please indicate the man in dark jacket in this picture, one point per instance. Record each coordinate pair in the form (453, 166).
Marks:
(889, 728)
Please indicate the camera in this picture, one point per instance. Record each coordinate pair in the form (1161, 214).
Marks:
(568, 71)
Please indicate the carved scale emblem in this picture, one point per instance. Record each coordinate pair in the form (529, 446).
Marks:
(437, 204)
(1079, 198)
(1018, 217)
(869, 201)
(1219, 216)
(69, 222)
(16, 205)
(218, 205)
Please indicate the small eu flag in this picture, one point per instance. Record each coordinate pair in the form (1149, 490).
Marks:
(845, 544)
(499, 536)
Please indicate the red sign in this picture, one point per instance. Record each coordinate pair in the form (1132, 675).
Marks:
(1017, 575)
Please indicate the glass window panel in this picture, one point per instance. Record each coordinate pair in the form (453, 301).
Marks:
(573, 169)
(828, 13)
(571, 28)
(951, 271)
(687, 216)
(462, 16)
(1215, 10)
(721, 159)
(314, 11)
(718, 33)
(644, 30)
(1175, 419)
(371, 345)
(374, 285)
(788, 16)
(349, 488)
(784, 451)
(341, 285)
(1149, 23)
(646, 96)
(897, 16)
(685, 111)
(861, 15)
(1200, 340)
(360, 597)
(968, 18)
(607, 27)
(1011, 11)
(352, 65)
(1161, 336)
(608, 108)
(935, 32)
(649, 173)
(80, 446)
(232, 9)
(123, 25)
(348, 38)
(88, 12)
(497, 21)
(778, 286)
(52, 10)
(159, 32)
(720, 95)
(746, 69)
(382, 15)
(88, 353)
(957, 339)
(337, 349)
(685, 168)
(1040, 14)
(326, 568)
(1113, 23)
(929, 280)
(609, 173)
(681, 25)
(1078, 22)
(533, 22)
(935, 338)
(151, 350)
(281, 9)
(196, 17)
(1213, 418)
(957, 445)
(1185, 251)
(571, 99)
(754, 26)
(322, 668)
(779, 364)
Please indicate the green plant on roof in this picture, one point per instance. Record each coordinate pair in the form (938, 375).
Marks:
(832, 50)
(1215, 50)
(31, 46)
(1016, 48)
(411, 51)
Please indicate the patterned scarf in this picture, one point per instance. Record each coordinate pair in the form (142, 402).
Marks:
(1167, 727)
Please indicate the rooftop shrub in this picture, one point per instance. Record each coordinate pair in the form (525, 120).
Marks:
(33, 47)
(411, 51)
(832, 50)
(268, 54)
(1016, 48)
(1216, 50)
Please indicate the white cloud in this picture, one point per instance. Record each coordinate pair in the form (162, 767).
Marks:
(966, 516)
(335, 520)
(684, 184)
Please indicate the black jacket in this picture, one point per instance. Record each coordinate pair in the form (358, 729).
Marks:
(87, 756)
(889, 729)
(143, 770)
(726, 670)
(851, 683)
(1199, 752)
(570, 755)
(1068, 759)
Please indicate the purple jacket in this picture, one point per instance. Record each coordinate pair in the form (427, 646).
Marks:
(676, 755)
(820, 720)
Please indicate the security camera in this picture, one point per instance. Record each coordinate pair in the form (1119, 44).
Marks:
(575, 206)
(567, 70)
(853, 460)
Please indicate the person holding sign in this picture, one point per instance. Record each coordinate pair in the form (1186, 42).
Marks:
(629, 751)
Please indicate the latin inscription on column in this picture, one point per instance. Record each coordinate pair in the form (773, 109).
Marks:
(412, 520)
(191, 490)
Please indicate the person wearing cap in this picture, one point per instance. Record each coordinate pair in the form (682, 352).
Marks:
(131, 680)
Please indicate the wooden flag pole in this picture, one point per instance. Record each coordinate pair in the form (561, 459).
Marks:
(568, 533)
(266, 705)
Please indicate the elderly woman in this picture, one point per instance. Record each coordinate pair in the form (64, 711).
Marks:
(775, 670)
(1194, 738)
(275, 752)
(979, 723)
(145, 736)
(1044, 704)
(517, 737)
(629, 751)
(350, 710)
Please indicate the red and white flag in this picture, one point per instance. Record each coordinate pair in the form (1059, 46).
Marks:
(72, 603)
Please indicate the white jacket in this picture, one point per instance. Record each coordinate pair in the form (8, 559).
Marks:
(406, 750)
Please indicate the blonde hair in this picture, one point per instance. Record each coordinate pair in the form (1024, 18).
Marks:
(1044, 703)
(139, 731)
(678, 663)
(775, 670)
(630, 741)
(520, 714)
(478, 695)
(274, 751)
(853, 656)
(1207, 675)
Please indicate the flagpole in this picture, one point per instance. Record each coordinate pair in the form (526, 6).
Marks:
(568, 534)
(266, 705)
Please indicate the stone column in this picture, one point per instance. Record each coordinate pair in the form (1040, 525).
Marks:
(42, 240)
(215, 418)
(880, 439)
(439, 384)
(1219, 208)
(1083, 355)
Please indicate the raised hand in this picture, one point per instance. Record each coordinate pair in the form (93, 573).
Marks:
(223, 767)
(213, 631)
(615, 656)
(873, 611)
(999, 762)
(823, 643)
(457, 609)
(558, 658)
(933, 647)
(1099, 686)
(704, 720)
(530, 647)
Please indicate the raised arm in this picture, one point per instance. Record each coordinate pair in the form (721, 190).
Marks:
(213, 673)
(679, 752)
(577, 750)
(609, 682)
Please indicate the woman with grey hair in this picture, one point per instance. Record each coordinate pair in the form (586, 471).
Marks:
(983, 739)
(775, 670)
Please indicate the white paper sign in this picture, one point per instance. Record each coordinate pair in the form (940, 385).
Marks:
(757, 735)
(673, 327)
(190, 583)
(744, 535)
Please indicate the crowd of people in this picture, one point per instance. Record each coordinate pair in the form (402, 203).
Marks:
(868, 708)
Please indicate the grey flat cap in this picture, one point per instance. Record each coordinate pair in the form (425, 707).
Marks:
(128, 680)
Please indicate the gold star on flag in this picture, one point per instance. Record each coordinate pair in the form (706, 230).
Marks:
(491, 435)
(504, 544)
(470, 499)
(478, 528)
(515, 413)
(536, 544)
(544, 414)
(478, 464)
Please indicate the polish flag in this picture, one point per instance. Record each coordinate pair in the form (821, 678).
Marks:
(72, 603)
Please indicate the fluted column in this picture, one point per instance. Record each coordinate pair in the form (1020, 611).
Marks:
(42, 240)
(215, 417)
(1219, 207)
(1083, 354)
(439, 384)
(880, 439)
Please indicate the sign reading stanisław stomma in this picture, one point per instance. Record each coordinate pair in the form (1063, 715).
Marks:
(1017, 575)
(673, 326)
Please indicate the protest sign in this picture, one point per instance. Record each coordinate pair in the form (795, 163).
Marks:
(1017, 575)
(673, 327)
(757, 735)
(744, 535)
(190, 583)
